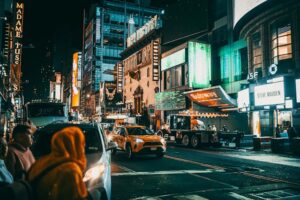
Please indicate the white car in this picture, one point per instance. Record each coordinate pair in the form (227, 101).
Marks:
(98, 172)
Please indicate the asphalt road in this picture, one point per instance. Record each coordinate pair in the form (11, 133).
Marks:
(206, 174)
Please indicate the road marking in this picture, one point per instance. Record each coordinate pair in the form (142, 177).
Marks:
(216, 181)
(189, 197)
(194, 162)
(125, 168)
(171, 172)
(238, 196)
(169, 196)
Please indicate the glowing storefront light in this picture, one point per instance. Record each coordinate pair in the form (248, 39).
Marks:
(243, 99)
(298, 90)
(173, 60)
(269, 94)
(199, 64)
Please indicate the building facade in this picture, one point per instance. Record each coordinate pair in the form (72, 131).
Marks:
(105, 33)
(141, 72)
(272, 35)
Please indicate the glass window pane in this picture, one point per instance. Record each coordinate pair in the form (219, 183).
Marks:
(287, 49)
(284, 40)
(283, 57)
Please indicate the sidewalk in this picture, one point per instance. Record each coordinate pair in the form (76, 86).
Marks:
(264, 156)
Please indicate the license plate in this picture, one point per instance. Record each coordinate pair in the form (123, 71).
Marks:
(153, 148)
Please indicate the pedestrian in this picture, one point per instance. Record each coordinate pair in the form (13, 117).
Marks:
(19, 158)
(5, 175)
(59, 175)
(292, 133)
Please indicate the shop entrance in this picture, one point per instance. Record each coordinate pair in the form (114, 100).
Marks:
(284, 120)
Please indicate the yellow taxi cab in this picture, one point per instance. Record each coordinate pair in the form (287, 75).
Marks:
(135, 139)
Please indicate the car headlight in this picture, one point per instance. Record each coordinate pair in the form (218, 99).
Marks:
(94, 172)
(137, 140)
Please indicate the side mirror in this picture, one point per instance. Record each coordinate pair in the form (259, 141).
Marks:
(112, 146)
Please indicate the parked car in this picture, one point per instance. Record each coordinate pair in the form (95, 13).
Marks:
(98, 172)
(134, 139)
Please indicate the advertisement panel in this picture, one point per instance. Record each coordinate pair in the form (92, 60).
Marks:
(75, 90)
(243, 99)
(269, 94)
(173, 60)
(199, 64)
(173, 100)
(241, 8)
(298, 90)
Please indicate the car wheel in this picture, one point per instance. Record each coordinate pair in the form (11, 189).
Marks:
(195, 141)
(129, 151)
(160, 155)
(185, 140)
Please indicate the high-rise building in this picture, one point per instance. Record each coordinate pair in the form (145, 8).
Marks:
(105, 33)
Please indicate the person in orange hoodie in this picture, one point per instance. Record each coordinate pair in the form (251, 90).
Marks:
(59, 175)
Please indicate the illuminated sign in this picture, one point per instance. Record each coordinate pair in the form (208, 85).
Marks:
(252, 76)
(199, 63)
(75, 90)
(173, 100)
(17, 53)
(173, 60)
(155, 61)
(120, 78)
(144, 30)
(243, 99)
(298, 90)
(269, 94)
(242, 7)
(19, 20)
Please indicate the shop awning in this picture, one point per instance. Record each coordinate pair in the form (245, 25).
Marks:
(214, 97)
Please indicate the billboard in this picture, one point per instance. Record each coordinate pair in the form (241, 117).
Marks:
(199, 62)
(243, 99)
(173, 100)
(269, 94)
(242, 7)
(173, 60)
(75, 90)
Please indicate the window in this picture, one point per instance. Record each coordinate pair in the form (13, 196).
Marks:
(256, 50)
(174, 77)
(281, 43)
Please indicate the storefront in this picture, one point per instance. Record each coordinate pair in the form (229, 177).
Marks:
(271, 108)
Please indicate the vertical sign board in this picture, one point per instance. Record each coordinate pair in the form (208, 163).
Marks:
(17, 53)
(243, 99)
(298, 90)
(75, 91)
(119, 77)
(155, 60)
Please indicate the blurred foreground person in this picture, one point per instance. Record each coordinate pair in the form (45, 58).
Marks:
(19, 158)
(5, 176)
(59, 175)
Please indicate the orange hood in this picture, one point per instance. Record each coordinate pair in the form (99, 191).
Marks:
(66, 145)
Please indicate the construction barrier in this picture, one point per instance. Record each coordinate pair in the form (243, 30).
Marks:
(261, 143)
(280, 145)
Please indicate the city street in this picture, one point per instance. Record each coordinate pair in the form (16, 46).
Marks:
(206, 174)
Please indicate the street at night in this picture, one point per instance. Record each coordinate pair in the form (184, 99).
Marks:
(206, 174)
(149, 99)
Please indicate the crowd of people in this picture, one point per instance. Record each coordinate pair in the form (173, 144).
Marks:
(58, 175)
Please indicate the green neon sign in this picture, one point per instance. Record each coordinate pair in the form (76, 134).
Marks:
(173, 60)
(199, 62)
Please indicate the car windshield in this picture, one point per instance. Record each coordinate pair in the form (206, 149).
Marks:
(139, 131)
(44, 110)
(42, 139)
